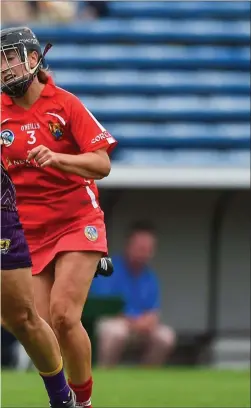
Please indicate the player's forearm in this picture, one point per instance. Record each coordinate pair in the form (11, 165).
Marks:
(79, 172)
(87, 165)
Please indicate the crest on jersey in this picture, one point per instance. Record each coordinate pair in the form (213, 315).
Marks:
(5, 245)
(56, 129)
(7, 137)
(91, 233)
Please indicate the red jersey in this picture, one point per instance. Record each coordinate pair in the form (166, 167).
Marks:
(47, 197)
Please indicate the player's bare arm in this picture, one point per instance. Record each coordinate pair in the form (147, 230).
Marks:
(94, 165)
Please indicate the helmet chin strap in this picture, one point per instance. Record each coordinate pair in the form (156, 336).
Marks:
(32, 70)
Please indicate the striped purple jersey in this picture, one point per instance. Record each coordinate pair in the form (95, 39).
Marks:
(8, 192)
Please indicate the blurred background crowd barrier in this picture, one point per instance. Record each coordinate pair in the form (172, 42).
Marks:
(170, 81)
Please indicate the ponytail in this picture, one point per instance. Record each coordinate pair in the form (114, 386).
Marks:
(43, 76)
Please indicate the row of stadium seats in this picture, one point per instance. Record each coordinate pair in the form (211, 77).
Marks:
(183, 158)
(178, 135)
(145, 57)
(170, 80)
(154, 82)
(181, 9)
(169, 108)
(151, 31)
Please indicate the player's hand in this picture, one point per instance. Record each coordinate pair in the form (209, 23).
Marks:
(139, 326)
(145, 323)
(43, 156)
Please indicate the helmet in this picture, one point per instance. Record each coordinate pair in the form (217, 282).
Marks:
(22, 41)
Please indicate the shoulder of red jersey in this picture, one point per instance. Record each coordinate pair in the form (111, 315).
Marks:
(58, 105)
(66, 100)
(71, 104)
(63, 93)
(89, 134)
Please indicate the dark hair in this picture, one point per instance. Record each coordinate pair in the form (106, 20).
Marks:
(141, 226)
(43, 76)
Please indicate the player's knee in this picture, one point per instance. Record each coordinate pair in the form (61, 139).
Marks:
(113, 329)
(62, 318)
(21, 321)
(165, 337)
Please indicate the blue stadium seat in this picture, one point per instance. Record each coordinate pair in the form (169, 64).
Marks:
(178, 130)
(178, 135)
(149, 31)
(186, 9)
(148, 57)
(148, 82)
(173, 108)
(182, 158)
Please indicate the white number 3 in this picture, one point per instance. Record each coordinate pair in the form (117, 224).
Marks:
(32, 139)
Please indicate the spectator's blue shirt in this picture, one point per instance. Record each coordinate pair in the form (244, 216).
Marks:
(139, 292)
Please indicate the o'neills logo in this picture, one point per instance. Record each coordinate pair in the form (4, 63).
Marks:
(30, 126)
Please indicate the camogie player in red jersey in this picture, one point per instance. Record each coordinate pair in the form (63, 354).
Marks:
(54, 149)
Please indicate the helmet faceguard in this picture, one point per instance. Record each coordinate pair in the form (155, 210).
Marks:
(19, 42)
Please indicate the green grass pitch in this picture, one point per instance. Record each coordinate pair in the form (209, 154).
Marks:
(141, 388)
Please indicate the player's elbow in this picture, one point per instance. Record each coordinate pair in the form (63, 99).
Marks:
(99, 172)
(105, 169)
(101, 165)
(104, 165)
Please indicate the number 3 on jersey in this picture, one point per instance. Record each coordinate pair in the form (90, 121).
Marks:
(32, 138)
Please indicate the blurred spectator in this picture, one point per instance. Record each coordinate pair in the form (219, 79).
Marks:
(139, 327)
(92, 9)
(51, 11)
(13, 13)
(41, 11)
(56, 11)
